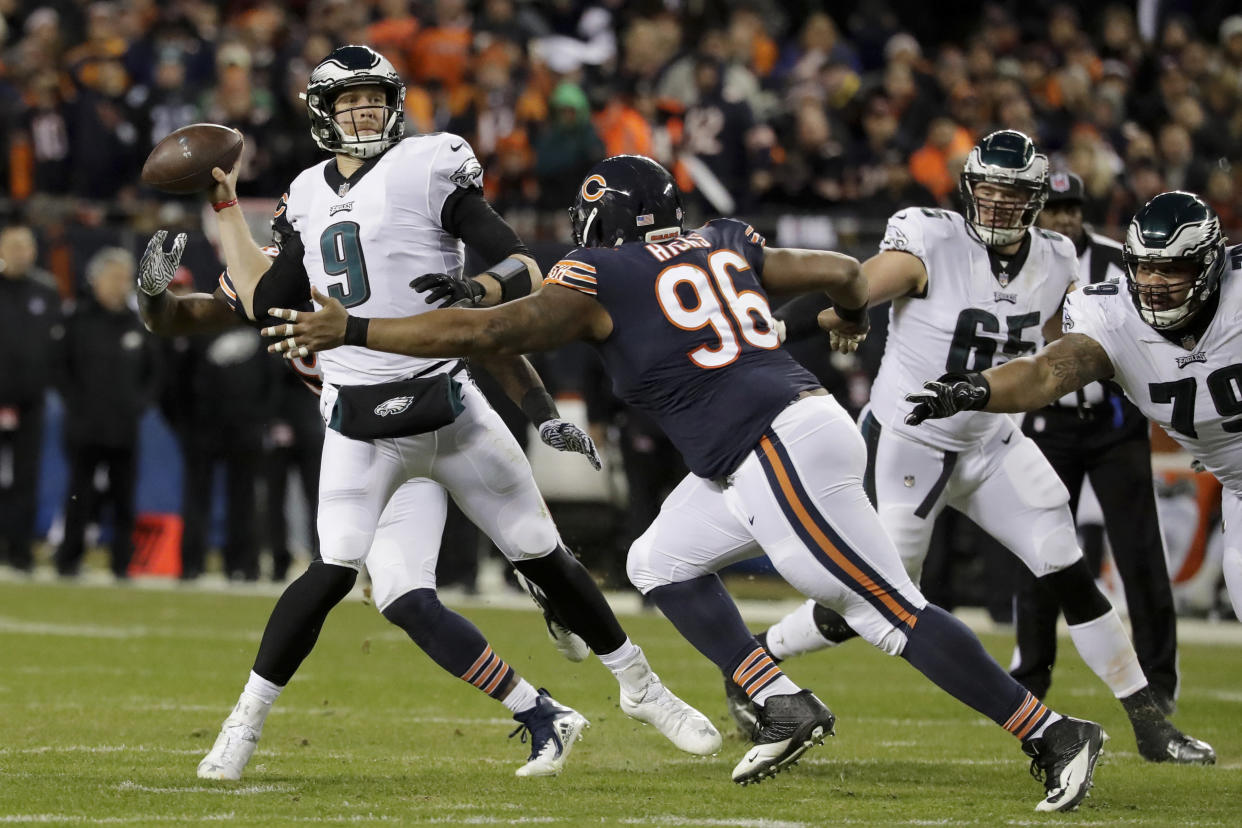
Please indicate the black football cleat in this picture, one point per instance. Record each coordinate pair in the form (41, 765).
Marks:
(1064, 760)
(1159, 740)
(788, 726)
(744, 711)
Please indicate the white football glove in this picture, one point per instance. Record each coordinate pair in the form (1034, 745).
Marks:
(565, 436)
(157, 268)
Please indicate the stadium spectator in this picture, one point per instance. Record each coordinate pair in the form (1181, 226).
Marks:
(935, 164)
(108, 374)
(226, 381)
(567, 146)
(30, 323)
(292, 441)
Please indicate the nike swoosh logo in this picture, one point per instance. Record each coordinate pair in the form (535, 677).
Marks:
(1007, 439)
(752, 520)
(456, 147)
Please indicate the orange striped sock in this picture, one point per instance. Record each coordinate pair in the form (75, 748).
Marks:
(489, 673)
(1030, 718)
(759, 676)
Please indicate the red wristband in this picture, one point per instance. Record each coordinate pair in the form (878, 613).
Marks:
(221, 205)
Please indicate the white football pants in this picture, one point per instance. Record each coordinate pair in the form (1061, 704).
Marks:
(799, 498)
(1004, 484)
(369, 513)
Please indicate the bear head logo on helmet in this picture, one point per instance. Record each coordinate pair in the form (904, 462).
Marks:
(626, 198)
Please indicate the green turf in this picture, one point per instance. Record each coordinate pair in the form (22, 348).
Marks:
(108, 698)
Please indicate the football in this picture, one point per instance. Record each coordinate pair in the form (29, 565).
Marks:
(182, 162)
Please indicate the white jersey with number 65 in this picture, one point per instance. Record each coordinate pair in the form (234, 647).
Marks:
(968, 319)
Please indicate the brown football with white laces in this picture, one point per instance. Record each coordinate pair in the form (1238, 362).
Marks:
(182, 162)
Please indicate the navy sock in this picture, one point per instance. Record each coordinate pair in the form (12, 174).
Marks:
(705, 615)
(293, 627)
(945, 650)
(450, 640)
(575, 598)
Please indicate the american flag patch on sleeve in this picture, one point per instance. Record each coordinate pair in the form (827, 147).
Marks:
(572, 274)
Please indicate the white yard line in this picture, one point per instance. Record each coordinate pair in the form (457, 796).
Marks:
(246, 790)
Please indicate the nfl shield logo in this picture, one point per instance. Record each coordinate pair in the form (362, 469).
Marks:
(343, 189)
(909, 481)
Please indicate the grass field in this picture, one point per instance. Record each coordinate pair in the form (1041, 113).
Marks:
(109, 696)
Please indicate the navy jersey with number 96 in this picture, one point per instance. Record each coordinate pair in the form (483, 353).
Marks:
(693, 342)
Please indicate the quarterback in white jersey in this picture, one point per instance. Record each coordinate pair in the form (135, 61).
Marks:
(1170, 337)
(358, 228)
(968, 293)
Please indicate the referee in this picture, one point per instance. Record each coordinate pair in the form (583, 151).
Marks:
(1097, 433)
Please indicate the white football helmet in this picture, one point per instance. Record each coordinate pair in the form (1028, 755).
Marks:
(1006, 158)
(346, 67)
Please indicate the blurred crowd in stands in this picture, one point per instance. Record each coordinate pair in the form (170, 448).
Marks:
(815, 120)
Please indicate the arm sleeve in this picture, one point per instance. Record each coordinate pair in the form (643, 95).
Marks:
(801, 315)
(285, 284)
(469, 217)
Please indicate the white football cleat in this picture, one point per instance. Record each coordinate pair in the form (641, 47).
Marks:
(553, 729)
(230, 754)
(656, 705)
(239, 736)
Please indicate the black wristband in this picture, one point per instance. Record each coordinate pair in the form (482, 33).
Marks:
(852, 315)
(538, 406)
(513, 276)
(356, 330)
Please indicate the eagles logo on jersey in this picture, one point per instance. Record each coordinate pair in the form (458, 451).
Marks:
(1176, 241)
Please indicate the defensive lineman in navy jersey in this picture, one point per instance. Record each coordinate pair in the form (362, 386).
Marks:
(682, 320)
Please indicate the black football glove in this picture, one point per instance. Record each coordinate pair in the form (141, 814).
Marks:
(563, 435)
(952, 393)
(447, 291)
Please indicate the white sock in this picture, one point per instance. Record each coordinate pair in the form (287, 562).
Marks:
(262, 689)
(1039, 731)
(796, 634)
(1104, 644)
(782, 686)
(521, 698)
(622, 657)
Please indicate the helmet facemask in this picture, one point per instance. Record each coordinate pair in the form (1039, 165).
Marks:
(346, 68)
(1001, 221)
(1006, 159)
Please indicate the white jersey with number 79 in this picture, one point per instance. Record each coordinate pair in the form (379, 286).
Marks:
(1194, 393)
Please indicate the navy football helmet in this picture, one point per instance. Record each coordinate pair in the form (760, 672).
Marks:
(1171, 229)
(626, 198)
(350, 66)
(1006, 158)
